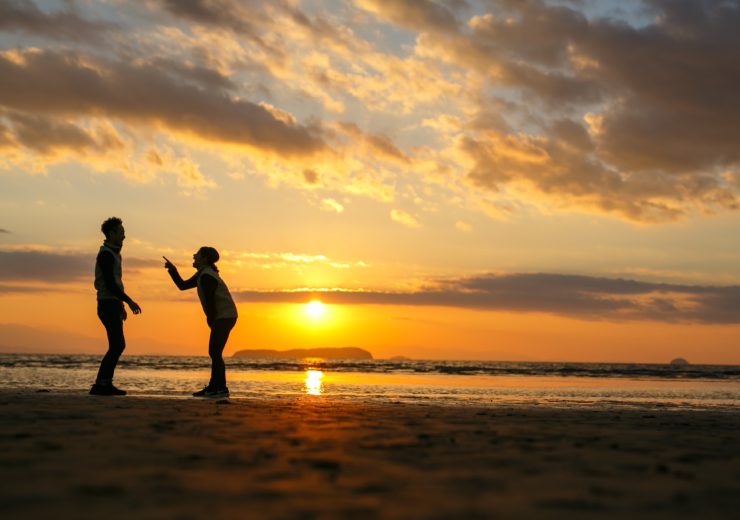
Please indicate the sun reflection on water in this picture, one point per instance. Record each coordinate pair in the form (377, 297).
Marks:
(313, 382)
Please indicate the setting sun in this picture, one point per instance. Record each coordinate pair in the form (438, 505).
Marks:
(315, 309)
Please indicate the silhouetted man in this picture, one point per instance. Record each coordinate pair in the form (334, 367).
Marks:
(109, 286)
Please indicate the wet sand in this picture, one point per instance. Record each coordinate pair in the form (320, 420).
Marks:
(77, 456)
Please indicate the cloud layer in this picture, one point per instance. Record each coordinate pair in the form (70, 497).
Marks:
(54, 268)
(575, 296)
(541, 104)
(581, 297)
(626, 119)
(41, 266)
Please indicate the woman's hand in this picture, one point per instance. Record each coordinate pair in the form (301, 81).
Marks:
(167, 264)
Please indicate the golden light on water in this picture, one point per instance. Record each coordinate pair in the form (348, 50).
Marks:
(315, 309)
(313, 382)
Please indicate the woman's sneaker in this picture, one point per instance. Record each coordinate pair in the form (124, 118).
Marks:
(106, 390)
(212, 392)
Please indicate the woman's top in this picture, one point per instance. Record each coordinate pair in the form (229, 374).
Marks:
(216, 301)
(212, 291)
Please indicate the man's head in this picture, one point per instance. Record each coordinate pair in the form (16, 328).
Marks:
(113, 231)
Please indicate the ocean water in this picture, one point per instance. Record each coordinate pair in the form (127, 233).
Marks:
(462, 383)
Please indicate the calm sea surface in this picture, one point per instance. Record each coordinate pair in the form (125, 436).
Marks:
(439, 382)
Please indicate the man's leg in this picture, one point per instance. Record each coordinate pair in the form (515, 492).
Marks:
(110, 313)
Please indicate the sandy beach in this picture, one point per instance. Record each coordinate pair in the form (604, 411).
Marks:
(76, 456)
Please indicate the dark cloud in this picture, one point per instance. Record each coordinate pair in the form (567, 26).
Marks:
(218, 13)
(663, 97)
(552, 88)
(197, 75)
(44, 266)
(530, 32)
(418, 14)
(318, 27)
(245, 18)
(251, 19)
(381, 144)
(45, 135)
(6, 136)
(49, 267)
(14, 289)
(310, 176)
(582, 297)
(560, 167)
(25, 16)
(4, 231)
(678, 78)
(67, 84)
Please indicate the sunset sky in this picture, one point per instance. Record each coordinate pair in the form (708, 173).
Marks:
(459, 179)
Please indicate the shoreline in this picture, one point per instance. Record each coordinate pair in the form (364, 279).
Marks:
(490, 403)
(79, 456)
(454, 390)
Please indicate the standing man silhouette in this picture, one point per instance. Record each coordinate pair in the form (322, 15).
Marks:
(109, 286)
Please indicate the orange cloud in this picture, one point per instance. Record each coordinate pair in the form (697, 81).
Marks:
(405, 218)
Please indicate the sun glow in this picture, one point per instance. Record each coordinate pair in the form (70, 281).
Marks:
(313, 382)
(315, 309)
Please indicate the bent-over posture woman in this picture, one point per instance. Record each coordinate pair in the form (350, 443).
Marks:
(220, 313)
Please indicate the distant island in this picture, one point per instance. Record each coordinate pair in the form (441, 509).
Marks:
(299, 353)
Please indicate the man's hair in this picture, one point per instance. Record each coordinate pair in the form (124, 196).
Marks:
(110, 224)
(210, 255)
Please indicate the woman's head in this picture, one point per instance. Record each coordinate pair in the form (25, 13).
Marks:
(206, 257)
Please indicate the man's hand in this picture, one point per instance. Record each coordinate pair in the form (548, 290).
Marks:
(167, 264)
(134, 307)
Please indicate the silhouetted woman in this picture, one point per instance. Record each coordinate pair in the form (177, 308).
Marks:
(220, 313)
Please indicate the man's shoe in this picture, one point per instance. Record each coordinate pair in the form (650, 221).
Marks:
(106, 390)
(212, 392)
